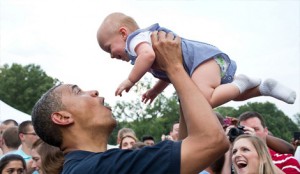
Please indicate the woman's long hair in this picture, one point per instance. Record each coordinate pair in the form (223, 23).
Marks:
(266, 165)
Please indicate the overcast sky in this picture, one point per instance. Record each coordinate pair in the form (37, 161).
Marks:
(60, 36)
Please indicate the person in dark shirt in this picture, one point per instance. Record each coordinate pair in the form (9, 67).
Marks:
(80, 124)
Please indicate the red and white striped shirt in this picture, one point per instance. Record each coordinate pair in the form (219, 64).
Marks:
(286, 162)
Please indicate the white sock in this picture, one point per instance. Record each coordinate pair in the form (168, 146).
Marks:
(244, 83)
(271, 87)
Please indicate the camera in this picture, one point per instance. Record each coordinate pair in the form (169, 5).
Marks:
(235, 132)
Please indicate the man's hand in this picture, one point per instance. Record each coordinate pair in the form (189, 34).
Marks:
(163, 45)
(125, 85)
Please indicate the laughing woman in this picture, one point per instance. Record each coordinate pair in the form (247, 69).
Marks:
(251, 155)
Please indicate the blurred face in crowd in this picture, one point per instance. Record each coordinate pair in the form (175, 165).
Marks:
(127, 143)
(149, 142)
(175, 132)
(255, 123)
(14, 167)
(245, 158)
(29, 137)
(3, 127)
(36, 161)
(1, 132)
(132, 134)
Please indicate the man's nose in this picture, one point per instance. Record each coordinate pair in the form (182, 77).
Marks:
(112, 56)
(94, 93)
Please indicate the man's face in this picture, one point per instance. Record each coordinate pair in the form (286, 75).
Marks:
(255, 123)
(29, 137)
(149, 142)
(175, 132)
(86, 108)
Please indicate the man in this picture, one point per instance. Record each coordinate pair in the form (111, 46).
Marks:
(10, 123)
(255, 124)
(11, 140)
(174, 133)
(148, 140)
(27, 136)
(3, 126)
(78, 122)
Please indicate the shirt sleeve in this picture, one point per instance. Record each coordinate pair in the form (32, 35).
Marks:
(140, 38)
(286, 162)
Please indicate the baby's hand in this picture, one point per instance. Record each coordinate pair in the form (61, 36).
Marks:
(149, 95)
(125, 85)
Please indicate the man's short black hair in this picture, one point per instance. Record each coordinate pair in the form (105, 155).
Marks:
(250, 114)
(8, 121)
(41, 117)
(147, 137)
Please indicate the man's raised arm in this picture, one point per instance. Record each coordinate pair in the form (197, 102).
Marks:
(206, 140)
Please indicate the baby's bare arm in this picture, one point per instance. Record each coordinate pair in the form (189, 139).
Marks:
(144, 61)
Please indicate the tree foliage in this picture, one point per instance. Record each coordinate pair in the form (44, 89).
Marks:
(144, 119)
(297, 119)
(21, 86)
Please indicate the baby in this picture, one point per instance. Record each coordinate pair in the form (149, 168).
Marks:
(210, 68)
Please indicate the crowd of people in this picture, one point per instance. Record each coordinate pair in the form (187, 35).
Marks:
(254, 151)
(70, 128)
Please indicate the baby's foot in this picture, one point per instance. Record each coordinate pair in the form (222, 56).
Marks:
(271, 87)
(244, 82)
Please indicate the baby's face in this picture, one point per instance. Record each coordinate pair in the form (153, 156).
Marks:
(114, 44)
(117, 48)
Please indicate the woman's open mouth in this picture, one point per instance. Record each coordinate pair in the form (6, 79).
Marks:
(241, 164)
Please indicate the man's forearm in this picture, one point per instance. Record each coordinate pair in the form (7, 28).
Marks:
(203, 129)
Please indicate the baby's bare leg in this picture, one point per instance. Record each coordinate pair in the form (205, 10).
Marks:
(208, 78)
(250, 93)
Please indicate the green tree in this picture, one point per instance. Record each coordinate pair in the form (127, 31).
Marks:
(21, 86)
(154, 120)
(297, 119)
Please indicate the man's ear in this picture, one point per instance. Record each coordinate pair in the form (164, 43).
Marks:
(266, 130)
(123, 32)
(21, 136)
(62, 118)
